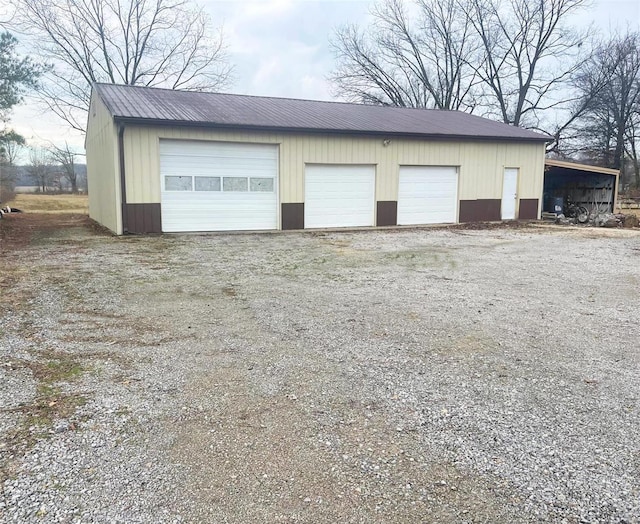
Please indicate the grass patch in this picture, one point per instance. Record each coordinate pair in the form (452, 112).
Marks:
(37, 203)
(36, 422)
(55, 367)
(49, 404)
(58, 371)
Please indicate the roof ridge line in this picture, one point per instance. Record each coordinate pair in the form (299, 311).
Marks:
(271, 97)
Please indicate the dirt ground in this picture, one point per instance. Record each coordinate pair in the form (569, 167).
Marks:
(436, 375)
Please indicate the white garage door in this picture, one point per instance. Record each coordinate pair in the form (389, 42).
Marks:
(218, 186)
(427, 195)
(339, 195)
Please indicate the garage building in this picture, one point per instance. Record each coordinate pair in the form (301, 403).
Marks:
(169, 161)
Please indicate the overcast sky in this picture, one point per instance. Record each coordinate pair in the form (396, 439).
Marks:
(281, 48)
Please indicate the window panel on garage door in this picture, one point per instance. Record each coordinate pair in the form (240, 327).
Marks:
(231, 186)
(427, 195)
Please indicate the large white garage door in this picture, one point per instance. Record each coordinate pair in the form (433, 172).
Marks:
(218, 186)
(427, 195)
(339, 195)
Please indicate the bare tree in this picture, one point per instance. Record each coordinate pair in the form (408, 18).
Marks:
(528, 54)
(168, 43)
(632, 147)
(585, 88)
(408, 59)
(609, 128)
(65, 158)
(510, 59)
(39, 169)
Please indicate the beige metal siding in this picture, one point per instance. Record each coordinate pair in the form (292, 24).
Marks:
(530, 159)
(481, 163)
(102, 167)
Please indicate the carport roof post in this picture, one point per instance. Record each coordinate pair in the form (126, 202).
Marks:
(153, 106)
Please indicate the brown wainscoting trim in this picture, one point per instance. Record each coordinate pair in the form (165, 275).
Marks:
(482, 210)
(387, 213)
(528, 209)
(142, 218)
(293, 216)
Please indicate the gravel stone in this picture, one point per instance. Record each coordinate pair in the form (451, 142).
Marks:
(435, 375)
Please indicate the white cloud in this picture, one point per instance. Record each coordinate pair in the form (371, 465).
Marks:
(268, 70)
(265, 7)
(43, 129)
(281, 48)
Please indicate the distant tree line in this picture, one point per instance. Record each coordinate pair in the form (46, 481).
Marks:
(54, 169)
(518, 61)
(48, 170)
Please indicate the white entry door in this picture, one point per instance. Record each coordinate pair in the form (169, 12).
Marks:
(339, 195)
(509, 193)
(427, 195)
(218, 186)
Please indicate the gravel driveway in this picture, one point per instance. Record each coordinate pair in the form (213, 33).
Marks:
(440, 375)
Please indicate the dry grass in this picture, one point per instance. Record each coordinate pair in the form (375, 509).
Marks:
(635, 212)
(36, 203)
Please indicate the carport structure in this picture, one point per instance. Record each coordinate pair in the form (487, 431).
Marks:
(590, 186)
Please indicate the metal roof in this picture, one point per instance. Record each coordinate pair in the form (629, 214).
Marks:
(133, 104)
(580, 167)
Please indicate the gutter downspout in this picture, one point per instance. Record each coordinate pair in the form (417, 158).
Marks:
(123, 188)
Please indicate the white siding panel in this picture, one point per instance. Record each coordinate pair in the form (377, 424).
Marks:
(427, 195)
(218, 210)
(339, 196)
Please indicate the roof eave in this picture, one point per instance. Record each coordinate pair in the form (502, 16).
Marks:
(575, 166)
(279, 129)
